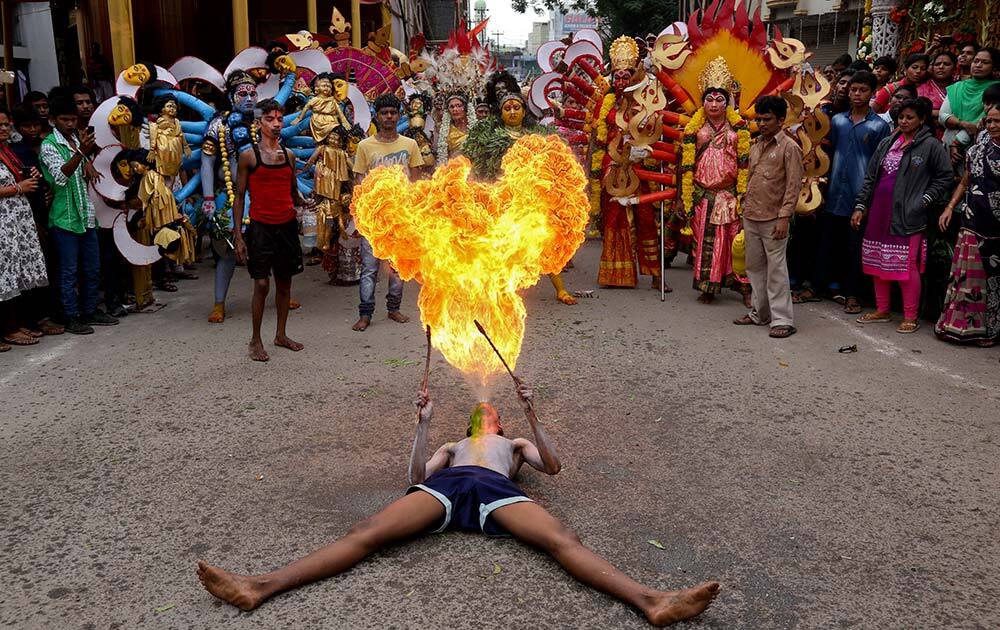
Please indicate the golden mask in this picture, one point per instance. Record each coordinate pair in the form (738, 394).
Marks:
(125, 170)
(121, 115)
(512, 113)
(136, 74)
(340, 89)
(284, 63)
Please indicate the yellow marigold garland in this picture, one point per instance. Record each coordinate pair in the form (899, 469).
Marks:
(602, 118)
(689, 148)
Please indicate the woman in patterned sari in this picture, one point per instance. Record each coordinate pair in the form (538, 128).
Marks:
(972, 304)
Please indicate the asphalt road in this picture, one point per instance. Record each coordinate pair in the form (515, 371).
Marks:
(823, 490)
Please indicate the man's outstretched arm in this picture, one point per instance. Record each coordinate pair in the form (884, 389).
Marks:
(420, 467)
(544, 452)
(425, 409)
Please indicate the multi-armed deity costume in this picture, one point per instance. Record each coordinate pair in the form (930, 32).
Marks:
(650, 132)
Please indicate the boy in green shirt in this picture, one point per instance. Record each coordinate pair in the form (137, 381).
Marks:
(72, 224)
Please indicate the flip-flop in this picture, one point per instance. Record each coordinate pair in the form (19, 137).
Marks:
(906, 328)
(812, 297)
(50, 328)
(4, 347)
(20, 341)
(852, 306)
(166, 286)
(35, 334)
(782, 332)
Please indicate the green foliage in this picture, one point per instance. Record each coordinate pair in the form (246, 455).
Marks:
(488, 142)
(617, 17)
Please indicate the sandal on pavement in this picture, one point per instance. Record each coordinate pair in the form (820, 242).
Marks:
(20, 339)
(874, 318)
(49, 328)
(781, 332)
(746, 320)
(907, 327)
(34, 334)
(4, 347)
(852, 306)
(804, 296)
(166, 286)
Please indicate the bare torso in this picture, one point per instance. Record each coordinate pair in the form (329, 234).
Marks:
(494, 452)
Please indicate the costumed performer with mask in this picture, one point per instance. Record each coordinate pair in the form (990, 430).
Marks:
(490, 139)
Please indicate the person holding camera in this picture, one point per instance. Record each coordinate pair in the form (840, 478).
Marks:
(72, 224)
(22, 264)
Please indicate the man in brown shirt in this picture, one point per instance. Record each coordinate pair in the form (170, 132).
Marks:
(768, 205)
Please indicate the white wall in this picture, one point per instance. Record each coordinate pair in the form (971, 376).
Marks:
(33, 31)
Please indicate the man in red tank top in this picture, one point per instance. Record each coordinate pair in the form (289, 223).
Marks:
(271, 244)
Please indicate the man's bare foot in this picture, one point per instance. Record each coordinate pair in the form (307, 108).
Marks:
(672, 606)
(362, 324)
(284, 342)
(398, 317)
(748, 300)
(706, 298)
(238, 590)
(257, 352)
(293, 304)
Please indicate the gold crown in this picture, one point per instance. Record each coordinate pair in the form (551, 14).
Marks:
(716, 75)
(624, 53)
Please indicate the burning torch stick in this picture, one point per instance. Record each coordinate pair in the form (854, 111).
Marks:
(531, 408)
(427, 363)
(427, 370)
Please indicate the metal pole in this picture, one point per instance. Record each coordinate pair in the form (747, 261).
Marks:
(663, 262)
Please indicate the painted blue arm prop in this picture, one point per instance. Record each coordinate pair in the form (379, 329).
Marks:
(297, 128)
(300, 141)
(204, 110)
(194, 126)
(303, 153)
(305, 186)
(403, 124)
(192, 162)
(190, 188)
(194, 139)
(286, 89)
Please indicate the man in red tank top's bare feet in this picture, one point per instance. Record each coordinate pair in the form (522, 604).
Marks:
(271, 245)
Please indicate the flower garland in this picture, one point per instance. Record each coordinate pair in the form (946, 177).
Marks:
(689, 149)
(221, 223)
(597, 159)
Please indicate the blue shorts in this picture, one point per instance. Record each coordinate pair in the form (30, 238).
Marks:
(469, 495)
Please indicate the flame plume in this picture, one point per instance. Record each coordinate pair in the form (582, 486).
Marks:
(473, 245)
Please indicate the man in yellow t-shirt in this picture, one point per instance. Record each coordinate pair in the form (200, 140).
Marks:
(385, 148)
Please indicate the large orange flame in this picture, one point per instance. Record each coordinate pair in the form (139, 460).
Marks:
(473, 245)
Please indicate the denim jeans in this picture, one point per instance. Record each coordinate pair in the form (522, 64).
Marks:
(79, 264)
(369, 277)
